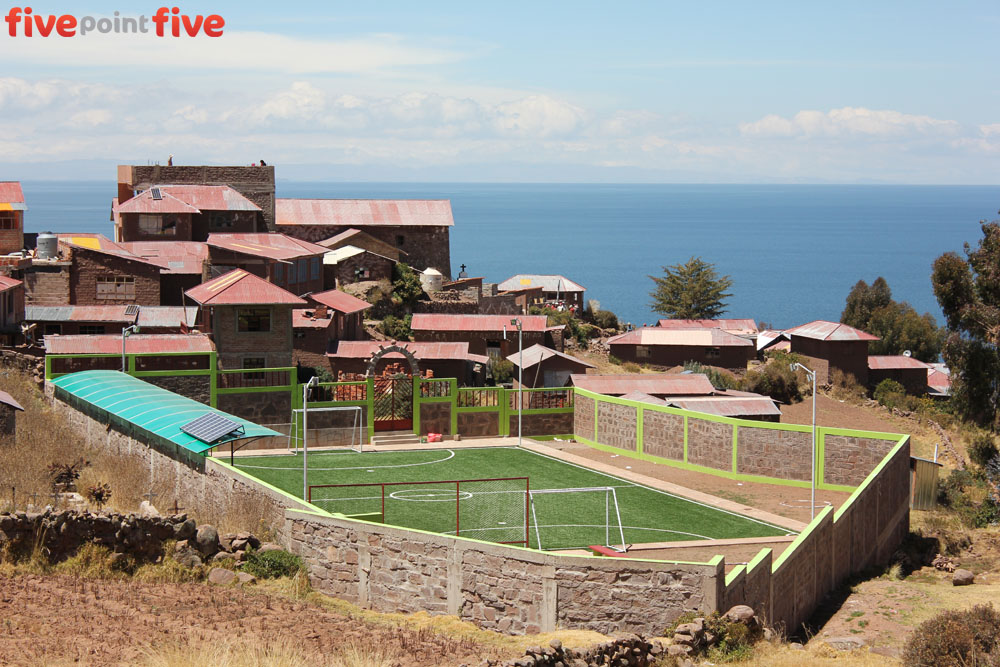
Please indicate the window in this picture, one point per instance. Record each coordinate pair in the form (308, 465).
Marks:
(713, 352)
(279, 274)
(52, 329)
(493, 350)
(314, 268)
(156, 225)
(220, 220)
(291, 273)
(642, 352)
(9, 220)
(400, 240)
(303, 269)
(254, 362)
(253, 319)
(91, 329)
(116, 288)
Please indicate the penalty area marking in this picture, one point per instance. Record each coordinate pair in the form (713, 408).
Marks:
(577, 525)
(451, 455)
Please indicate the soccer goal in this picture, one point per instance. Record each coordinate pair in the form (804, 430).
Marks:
(328, 428)
(575, 518)
(492, 510)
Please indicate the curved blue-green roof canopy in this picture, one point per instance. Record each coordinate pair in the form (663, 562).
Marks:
(153, 409)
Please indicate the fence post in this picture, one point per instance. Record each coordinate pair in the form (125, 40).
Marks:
(504, 425)
(453, 392)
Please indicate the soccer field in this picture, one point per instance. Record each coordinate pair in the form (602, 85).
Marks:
(499, 511)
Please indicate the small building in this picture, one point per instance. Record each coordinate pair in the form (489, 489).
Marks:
(11, 310)
(348, 313)
(351, 264)
(772, 339)
(184, 213)
(159, 352)
(673, 347)
(744, 327)
(418, 227)
(295, 265)
(492, 335)
(557, 291)
(167, 319)
(12, 208)
(907, 371)
(832, 345)
(741, 405)
(938, 380)
(659, 385)
(359, 239)
(445, 360)
(250, 320)
(8, 414)
(545, 367)
(104, 273)
(45, 321)
(182, 264)
(332, 316)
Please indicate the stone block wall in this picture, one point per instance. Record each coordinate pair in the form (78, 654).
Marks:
(89, 265)
(559, 423)
(47, 284)
(616, 425)
(435, 417)
(663, 435)
(774, 453)
(583, 417)
(198, 387)
(472, 424)
(848, 459)
(264, 407)
(710, 444)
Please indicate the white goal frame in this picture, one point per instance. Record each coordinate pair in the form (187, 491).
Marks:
(610, 501)
(296, 443)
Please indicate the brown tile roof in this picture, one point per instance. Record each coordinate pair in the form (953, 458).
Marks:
(241, 288)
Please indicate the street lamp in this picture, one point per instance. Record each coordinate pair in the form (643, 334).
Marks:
(812, 376)
(520, 376)
(126, 332)
(313, 381)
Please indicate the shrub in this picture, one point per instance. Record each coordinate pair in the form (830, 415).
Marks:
(612, 359)
(406, 288)
(719, 379)
(888, 391)
(982, 449)
(272, 564)
(956, 639)
(606, 319)
(775, 379)
(846, 386)
(396, 328)
(630, 367)
(503, 371)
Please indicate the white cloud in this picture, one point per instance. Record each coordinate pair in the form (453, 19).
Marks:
(90, 118)
(850, 121)
(538, 115)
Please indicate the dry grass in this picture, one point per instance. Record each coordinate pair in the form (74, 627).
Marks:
(781, 655)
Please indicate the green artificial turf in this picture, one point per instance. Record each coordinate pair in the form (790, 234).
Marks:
(496, 511)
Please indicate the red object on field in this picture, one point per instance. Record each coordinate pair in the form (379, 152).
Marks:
(433, 437)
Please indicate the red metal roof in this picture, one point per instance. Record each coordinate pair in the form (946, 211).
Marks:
(102, 244)
(643, 398)
(115, 314)
(446, 322)
(304, 318)
(6, 283)
(339, 301)
(724, 406)
(145, 203)
(272, 246)
(890, 362)
(831, 331)
(7, 399)
(161, 317)
(135, 344)
(363, 349)
(181, 257)
(364, 212)
(538, 353)
(187, 199)
(11, 194)
(739, 327)
(661, 384)
(680, 337)
(241, 288)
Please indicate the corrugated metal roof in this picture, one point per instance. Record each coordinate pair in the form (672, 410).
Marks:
(7, 399)
(304, 318)
(364, 349)
(11, 196)
(6, 283)
(724, 406)
(538, 353)
(548, 283)
(364, 212)
(341, 253)
(660, 384)
(889, 362)
(144, 202)
(166, 316)
(187, 199)
(177, 257)
(938, 380)
(831, 331)
(135, 344)
(739, 327)
(241, 288)
(102, 244)
(340, 301)
(682, 337)
(494, 323)
(643, 398)
(766, 337)
(272, 246)
(152, 409)
(115, 314)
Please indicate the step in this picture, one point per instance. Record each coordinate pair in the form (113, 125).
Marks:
(395, 439)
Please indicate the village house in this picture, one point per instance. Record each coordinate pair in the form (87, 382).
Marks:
(181, 263)
(349, 311)
(249, 319)
(744, 327)
(445, 360)
(731, 403)
(557, 291)
(9, 408)
(658, 385)
(830, 346)
(12, 208)
(184, 213)
(673, 347)
(295, 265)
(331, 316)
(359, 239)
(350, 264)
(938, 380)
(907, 371)
(493, 335)
(103, 273)
(11, 310)
(45, 321)
(420, 228)
(545, 367)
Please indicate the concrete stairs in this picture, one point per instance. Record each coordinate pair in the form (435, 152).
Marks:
(394, 438)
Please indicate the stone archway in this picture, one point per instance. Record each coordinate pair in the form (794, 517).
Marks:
(384, 350)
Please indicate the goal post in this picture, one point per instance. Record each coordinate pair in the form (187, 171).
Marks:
(576, 518)
(328, 428)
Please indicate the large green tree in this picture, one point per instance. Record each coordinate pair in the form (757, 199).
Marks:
(692, 290)
(872, 309)
(968, 290)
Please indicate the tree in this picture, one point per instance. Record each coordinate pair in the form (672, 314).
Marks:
(897, 324)
(968, 291)
(691, 290)
(406, 287)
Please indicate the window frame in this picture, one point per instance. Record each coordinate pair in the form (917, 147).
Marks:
(245, 315)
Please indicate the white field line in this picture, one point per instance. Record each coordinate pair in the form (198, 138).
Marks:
(451, 455)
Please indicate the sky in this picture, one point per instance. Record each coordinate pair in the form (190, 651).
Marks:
(723, 92)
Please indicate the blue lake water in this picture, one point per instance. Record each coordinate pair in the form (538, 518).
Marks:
(793, 251)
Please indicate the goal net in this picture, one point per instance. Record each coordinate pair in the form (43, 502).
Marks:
(576, 518)
(492, 510)
(328, 428)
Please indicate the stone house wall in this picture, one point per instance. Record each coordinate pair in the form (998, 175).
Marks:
(89, 265)
(425, 246)
(275, 346)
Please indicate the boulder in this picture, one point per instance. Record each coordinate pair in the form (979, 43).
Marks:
(147, 510)
(741, 613)
(207, 540)
(185, 530)
(269, 546)
(844, 643)
(221, 576)
(246, 578)
(188, 558)
(963, 578)
(222, 555)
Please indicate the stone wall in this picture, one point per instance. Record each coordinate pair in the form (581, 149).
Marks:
(426, 246)
(472, 424)
(663, 435)
(435, 417)
(89, 265)
(559, 423)
(47, 284)
(514, 591)
(263, 407)
(774, 453)
(848, 459)
(616, 425)
(583, 417)
(233, 345)
(710, 444)
(198, 387)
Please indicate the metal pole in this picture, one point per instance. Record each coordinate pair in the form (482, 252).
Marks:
(305, 439)
(123, 350)
(520, 380)
(813, 485)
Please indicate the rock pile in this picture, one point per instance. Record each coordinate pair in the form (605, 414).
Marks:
(627, 651)
(701, 634)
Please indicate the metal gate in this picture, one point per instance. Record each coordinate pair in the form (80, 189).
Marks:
(393, 403)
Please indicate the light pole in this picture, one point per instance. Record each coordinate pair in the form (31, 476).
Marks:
(126, 332)
(520, 376)
(812, 497)
(313, 381)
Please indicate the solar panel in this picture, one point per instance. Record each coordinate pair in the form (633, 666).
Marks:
(211, 427)
(156, 193)
(131, 310)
